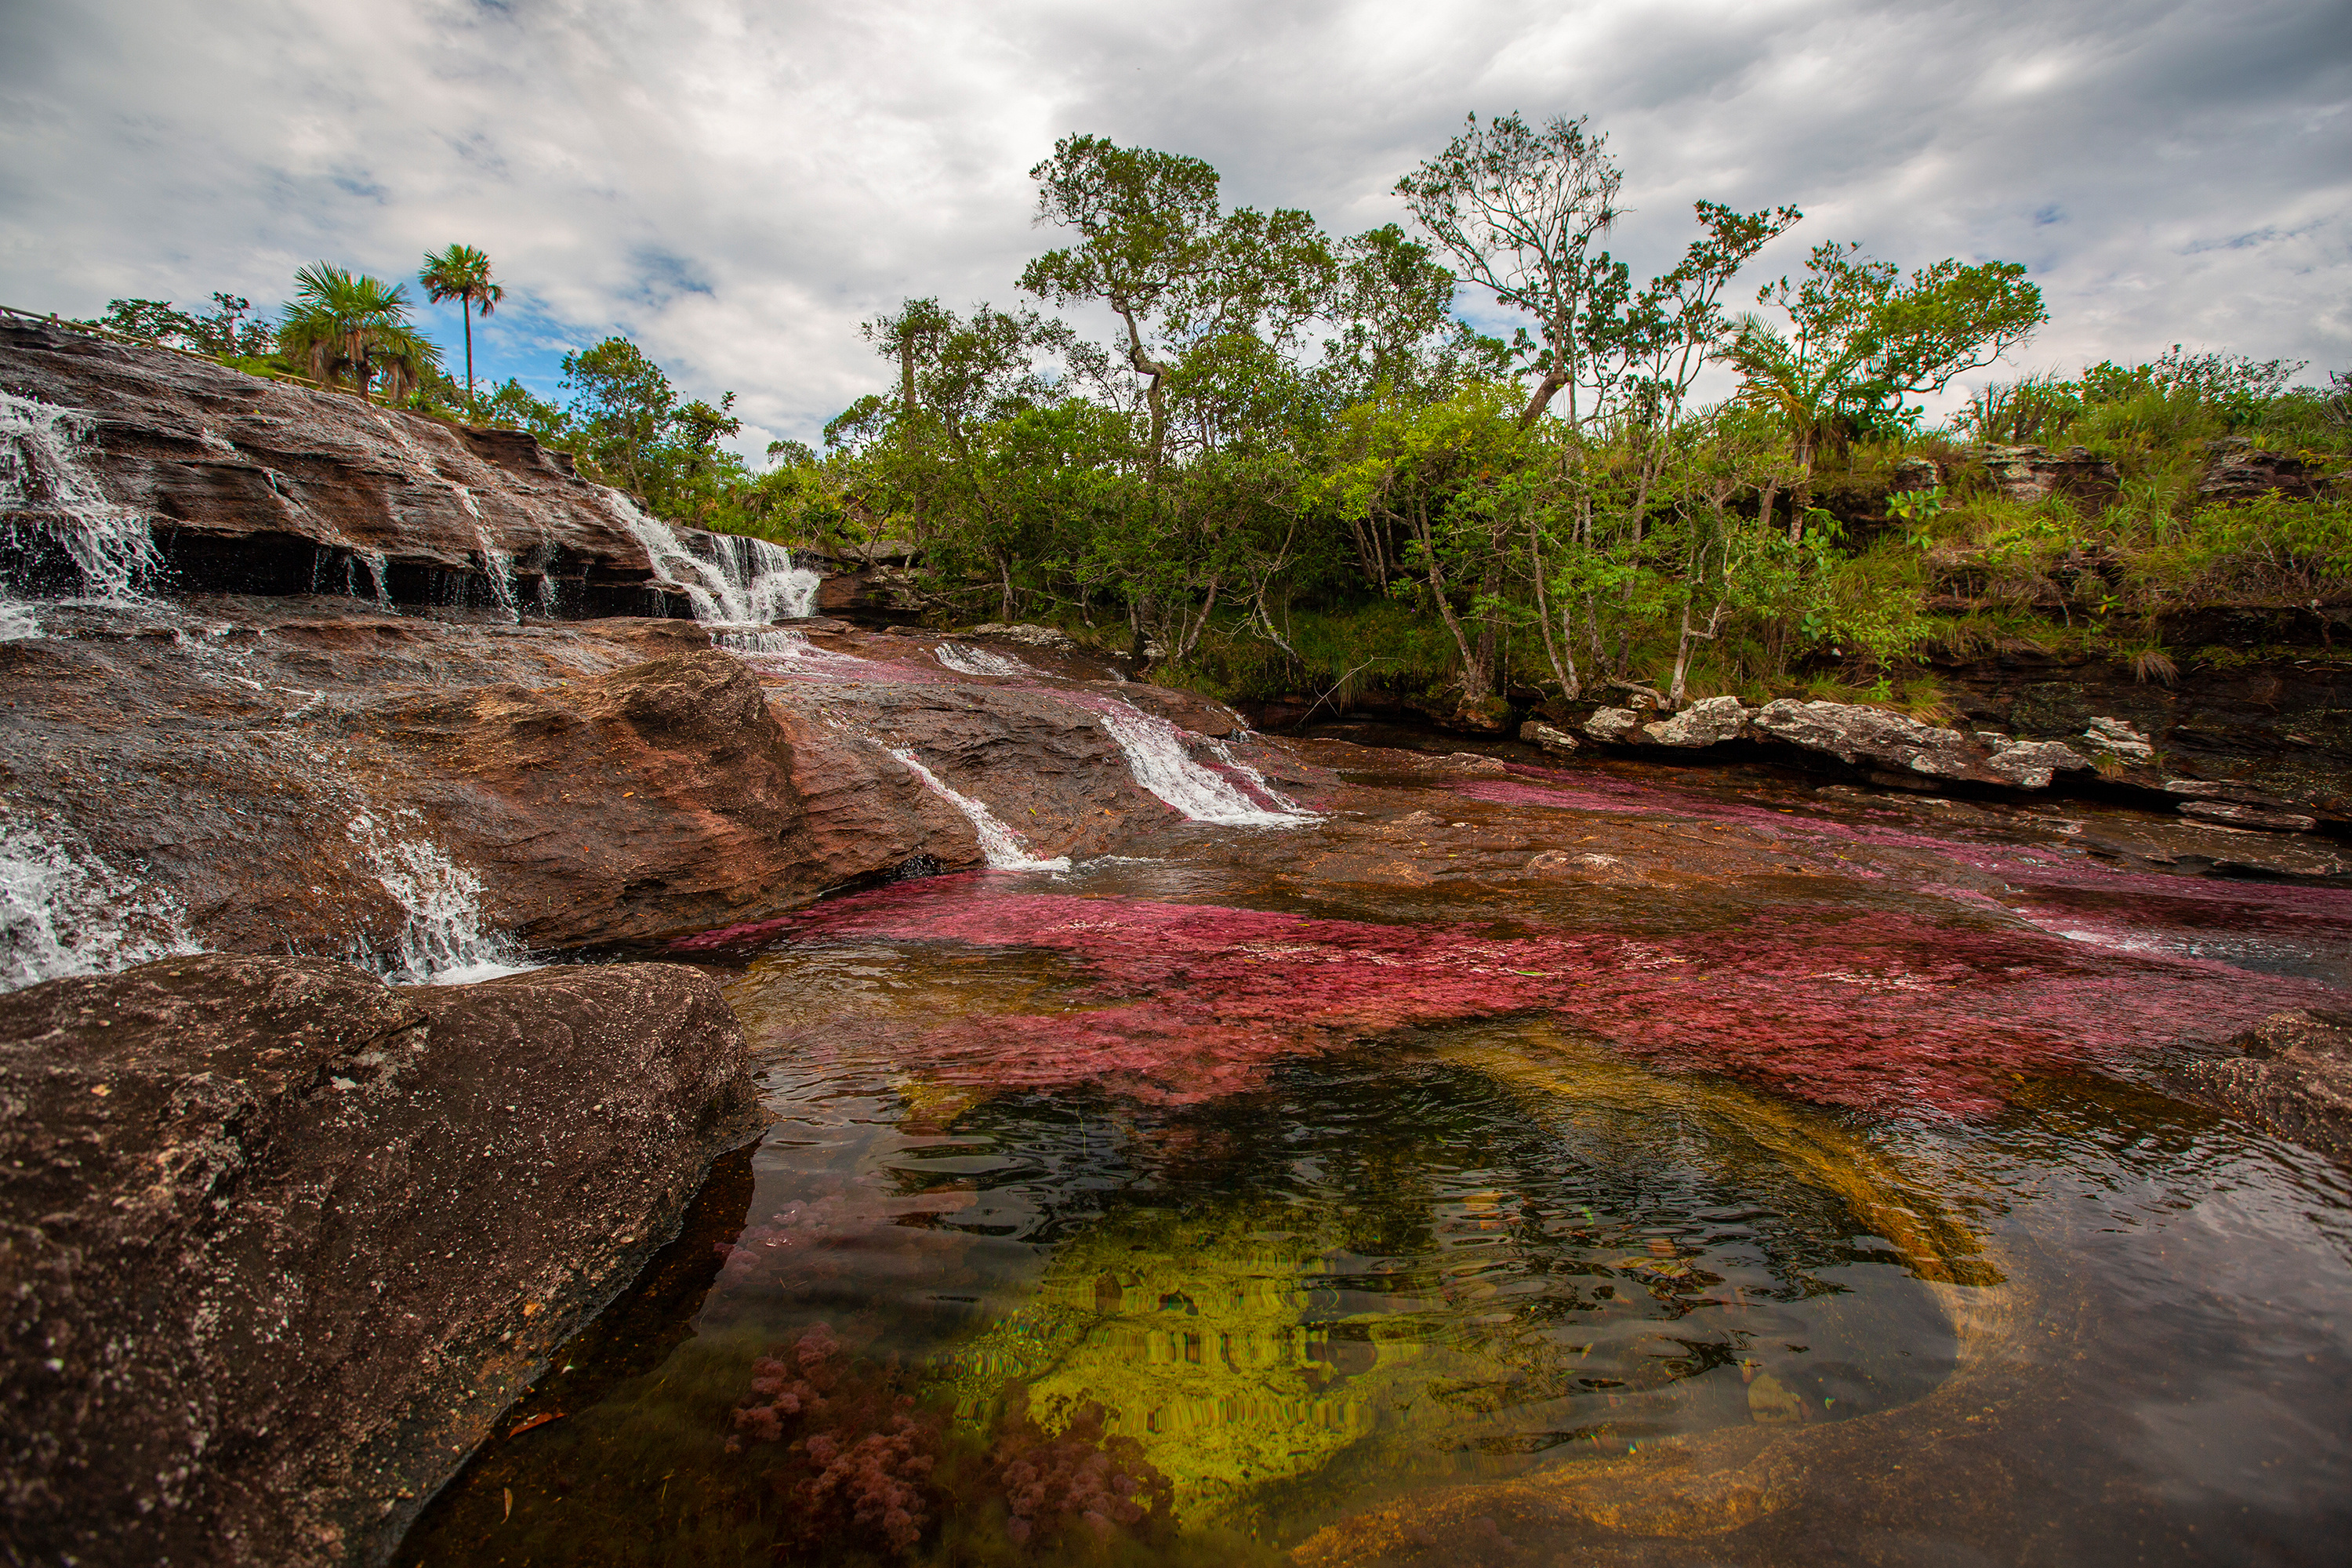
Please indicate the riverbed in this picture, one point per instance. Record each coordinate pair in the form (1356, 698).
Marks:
(1497, 1159)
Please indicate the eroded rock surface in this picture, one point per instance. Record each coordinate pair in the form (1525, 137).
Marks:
(281, 1241)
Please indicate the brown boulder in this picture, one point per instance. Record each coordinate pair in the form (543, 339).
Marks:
(279, 1242)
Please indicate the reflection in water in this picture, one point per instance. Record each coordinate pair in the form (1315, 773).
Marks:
(1758, 1232)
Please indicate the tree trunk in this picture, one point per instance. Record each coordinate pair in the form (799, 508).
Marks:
(1473, 674)
(466, 314)
(1563, 659)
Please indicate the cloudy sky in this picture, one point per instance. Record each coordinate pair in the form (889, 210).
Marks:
(738, 185)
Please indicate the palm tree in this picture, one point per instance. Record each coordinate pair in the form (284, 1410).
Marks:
(463, 274)
(349, 323)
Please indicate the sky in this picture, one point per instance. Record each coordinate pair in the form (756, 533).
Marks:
(737, 185)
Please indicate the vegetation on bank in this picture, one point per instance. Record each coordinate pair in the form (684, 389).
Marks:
(1293, 468)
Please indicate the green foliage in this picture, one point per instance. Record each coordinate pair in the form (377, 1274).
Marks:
(230, 332)
(343, 325)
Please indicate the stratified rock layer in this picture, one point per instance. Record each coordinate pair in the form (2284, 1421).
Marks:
(278, 1242)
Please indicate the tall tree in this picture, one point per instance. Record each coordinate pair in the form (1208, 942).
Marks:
(347, 323)
(462, 273)
(1518, 209)
(1144, 219)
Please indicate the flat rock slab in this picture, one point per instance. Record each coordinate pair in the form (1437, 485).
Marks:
(279, 1242)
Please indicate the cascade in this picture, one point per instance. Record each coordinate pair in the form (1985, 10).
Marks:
(1257, 779)
(64, 911)
(47, 491)
(998, 843)
(740, 581)
(980, 661)
(1155, 751)
(498, 567)
(442, 942)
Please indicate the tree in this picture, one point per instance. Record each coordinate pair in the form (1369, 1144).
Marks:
(226, 333)
(1861, 341)
(624, 406)
(462, 273)
(1517, 211)
(345, 324)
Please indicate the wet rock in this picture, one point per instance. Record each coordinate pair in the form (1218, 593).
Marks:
(2238, 815)
(281, 1241)
(2292, 1076)
(2237, 472)
(1620, 726)
(1551, 738)
(256, 485)
(1707, 723)
(2034, 473)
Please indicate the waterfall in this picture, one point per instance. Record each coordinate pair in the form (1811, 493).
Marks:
(728, 577)
(1155, 752)
(1257, 779)
(498, 567)
(63, 910)
(442, 942)
(999, 845)
(980, 661)
(47, 491)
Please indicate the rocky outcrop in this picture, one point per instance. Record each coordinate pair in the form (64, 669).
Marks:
(261, 487)
(335, 781)
(279, 1242)
(2236, 472)
(1550, 737)
(2291, 1075)
(1709, 721)
(2035, 473)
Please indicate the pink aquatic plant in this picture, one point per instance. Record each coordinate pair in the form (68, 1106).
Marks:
(865, 1454)
(1080, 1477)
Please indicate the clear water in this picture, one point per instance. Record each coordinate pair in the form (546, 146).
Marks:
(1380, 1230)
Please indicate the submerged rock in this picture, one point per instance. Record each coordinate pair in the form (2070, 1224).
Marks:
(281, 1241)
(2293, 1076)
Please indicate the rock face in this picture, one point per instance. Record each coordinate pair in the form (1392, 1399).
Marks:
(2293, 1076)
(261, 487)
(339, 781)
(2034, 473)
(281, 1241)
(2236, 472)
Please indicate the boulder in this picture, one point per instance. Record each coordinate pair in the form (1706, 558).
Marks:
(1029, 635)
(2031, 765)
(1856, 735)
(1707, 723)
(1551, 738)
(1620, 726)
(2237, 472)
(279, 1242)
(2292, 1076)
(1915, 474)
(2034, 473)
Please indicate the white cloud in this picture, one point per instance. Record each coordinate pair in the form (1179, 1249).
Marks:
(738, 185)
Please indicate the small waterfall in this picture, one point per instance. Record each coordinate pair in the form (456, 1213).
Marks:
(497, 566)
(740, 582)
(999, 845)
(48, 493)
(381, 568)
(980, 661)
(63, 910)
(1257, 779)
(1155, 751)
(442, 942)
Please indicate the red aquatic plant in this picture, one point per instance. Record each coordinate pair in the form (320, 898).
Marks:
(864, 1454)
(1079, 1477)
(1880, 1011)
